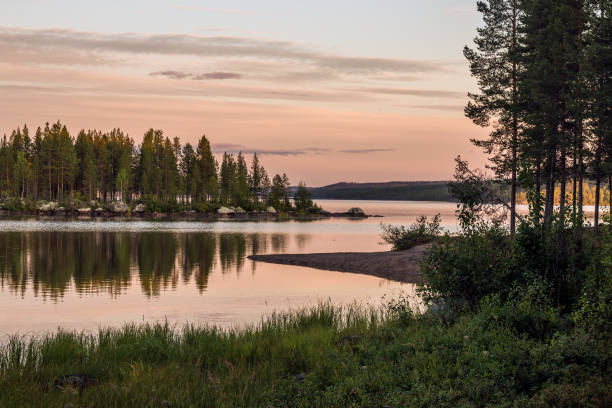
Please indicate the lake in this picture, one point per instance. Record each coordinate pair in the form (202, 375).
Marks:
(87, 274)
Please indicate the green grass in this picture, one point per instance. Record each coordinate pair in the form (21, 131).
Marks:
(322, 356)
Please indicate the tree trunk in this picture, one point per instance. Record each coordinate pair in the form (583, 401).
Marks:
(597, 196)
(562, 192)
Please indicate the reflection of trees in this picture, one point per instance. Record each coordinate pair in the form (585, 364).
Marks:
(102, 262)
(156, 261)
(51, 257)
(13, 272)
(257, 243)
(232, 250)
(51, 261)
(279, 242)
(302, 240)
(198, 257)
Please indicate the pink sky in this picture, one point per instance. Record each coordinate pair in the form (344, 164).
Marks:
(320, 112)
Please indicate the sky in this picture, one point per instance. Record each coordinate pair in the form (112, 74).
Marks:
(325, 91)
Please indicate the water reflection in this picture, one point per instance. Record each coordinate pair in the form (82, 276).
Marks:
(53, 263)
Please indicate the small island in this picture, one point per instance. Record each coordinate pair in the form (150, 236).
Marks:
(107, 175)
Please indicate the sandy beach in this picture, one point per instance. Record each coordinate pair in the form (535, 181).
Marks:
(401, 266)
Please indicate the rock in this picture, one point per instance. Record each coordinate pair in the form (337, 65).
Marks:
(225, 211)
(60, 209)
(84, 210)
(356, 212)
(140, 208)
(300, 377)
(47, 206)
(271, 210)
(239, 210)
(69, 405)
(119, 207)
(99, 210)
(165, 404)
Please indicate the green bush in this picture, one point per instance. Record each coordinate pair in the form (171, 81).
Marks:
(421, 232)
(13, 204)
(462, 270)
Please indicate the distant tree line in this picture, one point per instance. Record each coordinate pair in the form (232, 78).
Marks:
(52, 165)
(544, 70)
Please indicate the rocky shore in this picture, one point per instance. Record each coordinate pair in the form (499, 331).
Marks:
(120, 210)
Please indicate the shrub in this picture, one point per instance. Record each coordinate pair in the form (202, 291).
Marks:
(421, 232)
(464, 269)
(13, 204)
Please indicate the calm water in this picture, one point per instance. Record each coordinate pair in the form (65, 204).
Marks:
(85, 274)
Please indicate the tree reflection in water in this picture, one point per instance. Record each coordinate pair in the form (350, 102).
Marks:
(53, 263)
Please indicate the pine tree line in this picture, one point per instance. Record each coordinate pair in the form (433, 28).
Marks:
(544, 70)
(52, 165)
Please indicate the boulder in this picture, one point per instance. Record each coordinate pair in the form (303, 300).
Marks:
(119, 207)
(47, 206)
(239, 210)
(84, 210)
(140, 208)
(60, 209)
(99, 210)
(271, 210)
(356, 212)
(225, 211)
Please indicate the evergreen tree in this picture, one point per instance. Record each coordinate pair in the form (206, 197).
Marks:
(240, 189)
(279, 193)
(303, 198)
(226, 178)
(494, 62)
(208, 188)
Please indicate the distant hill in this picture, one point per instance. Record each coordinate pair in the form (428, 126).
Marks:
(393, 190)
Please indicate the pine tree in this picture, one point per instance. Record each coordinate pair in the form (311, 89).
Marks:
(241, 182)
(208, 171)
(495, 64)
(226, 178)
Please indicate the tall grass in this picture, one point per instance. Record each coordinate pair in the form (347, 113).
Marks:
(319, 356)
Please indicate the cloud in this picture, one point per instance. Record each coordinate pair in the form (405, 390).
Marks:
(449, 108)
(237, 148)
(365, 151)
(425, 93)
(197, 77)
(205, 46)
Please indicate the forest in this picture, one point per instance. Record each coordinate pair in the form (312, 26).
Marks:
(543, 71)
(103, 167)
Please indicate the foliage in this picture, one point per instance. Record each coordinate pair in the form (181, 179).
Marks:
(323, 356)
(109, 166)
(303, 199)
(420, 232)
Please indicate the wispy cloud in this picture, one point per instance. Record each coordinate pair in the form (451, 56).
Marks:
(365, 151)
(205, 46)
(441, 107)
(426, 93)
(197, 77)
(237, 148)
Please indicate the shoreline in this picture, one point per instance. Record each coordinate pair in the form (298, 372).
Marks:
(399, 266)
(179, 216)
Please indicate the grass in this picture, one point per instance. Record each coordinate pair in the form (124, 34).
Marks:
(322, 356)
